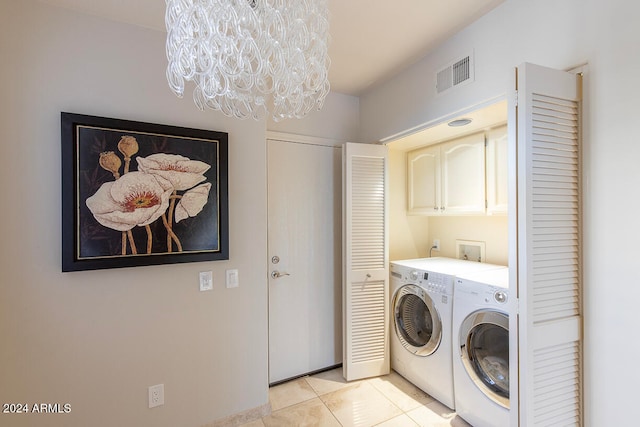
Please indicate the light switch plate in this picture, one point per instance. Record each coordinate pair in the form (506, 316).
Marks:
(206, 280)
(232, 279)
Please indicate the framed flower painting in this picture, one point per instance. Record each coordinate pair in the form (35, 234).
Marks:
(138, 193)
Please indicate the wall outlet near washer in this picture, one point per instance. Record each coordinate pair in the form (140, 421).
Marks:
(156, 395)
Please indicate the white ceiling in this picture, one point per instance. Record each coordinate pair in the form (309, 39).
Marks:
(370, 40)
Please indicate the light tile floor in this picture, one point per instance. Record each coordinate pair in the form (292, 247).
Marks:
(326, 399)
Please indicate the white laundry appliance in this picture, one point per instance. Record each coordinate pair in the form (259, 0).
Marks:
(481, 348)
(421, 316)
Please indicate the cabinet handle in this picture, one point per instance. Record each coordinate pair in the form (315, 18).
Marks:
(442, 208)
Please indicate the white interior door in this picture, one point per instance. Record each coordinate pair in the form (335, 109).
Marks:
(545, 260)
(305, 258)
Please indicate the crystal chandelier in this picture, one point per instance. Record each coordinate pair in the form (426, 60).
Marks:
(247, 57)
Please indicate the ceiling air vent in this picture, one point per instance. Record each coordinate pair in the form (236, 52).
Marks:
(456, 73)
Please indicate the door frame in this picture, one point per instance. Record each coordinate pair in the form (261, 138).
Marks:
(302, 139)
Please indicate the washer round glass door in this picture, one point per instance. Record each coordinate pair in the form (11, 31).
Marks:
(417, 322)
(484, 349)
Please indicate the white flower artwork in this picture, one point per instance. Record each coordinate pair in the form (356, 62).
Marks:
(166, 187)
(136, 193)
(135, 199)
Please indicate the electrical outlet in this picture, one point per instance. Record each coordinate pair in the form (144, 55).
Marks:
(156, 395)
(436, 244)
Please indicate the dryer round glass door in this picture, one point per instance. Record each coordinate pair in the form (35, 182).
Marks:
(417, 322)
(484, 349)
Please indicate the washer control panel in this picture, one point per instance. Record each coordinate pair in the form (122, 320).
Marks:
(432, 282)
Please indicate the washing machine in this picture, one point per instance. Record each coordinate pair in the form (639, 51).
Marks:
(481, 348)
(421, 332)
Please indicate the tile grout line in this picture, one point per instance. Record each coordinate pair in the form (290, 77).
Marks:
(402, 411)
(371, 383)
(374, 384)
(323, 403)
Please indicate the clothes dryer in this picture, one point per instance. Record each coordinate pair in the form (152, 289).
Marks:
(421, 316)
(481, 348)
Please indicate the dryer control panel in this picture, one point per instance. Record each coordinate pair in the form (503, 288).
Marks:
(481, 293)
(500, 296)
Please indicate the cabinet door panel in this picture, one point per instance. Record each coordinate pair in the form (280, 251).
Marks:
(497, 177)
(463, 172)
(423, 183)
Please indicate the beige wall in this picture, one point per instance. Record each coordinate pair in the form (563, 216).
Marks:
(98, 339)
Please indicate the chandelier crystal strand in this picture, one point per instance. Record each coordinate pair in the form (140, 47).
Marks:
(250, 57)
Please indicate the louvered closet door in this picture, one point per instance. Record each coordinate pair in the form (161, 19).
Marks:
(366, 260)
(549, 247)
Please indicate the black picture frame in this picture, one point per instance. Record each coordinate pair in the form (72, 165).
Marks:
(137, 194)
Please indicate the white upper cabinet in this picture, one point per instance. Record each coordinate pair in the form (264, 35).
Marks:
(463, 164)
(497, 174)
(448, 178)
(424, 187)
